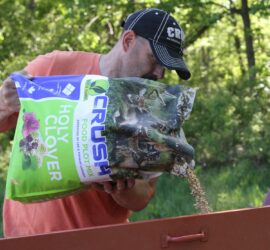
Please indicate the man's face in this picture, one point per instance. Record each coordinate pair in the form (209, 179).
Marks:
(142, 62)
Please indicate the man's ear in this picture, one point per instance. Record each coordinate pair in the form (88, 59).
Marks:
(128, 40)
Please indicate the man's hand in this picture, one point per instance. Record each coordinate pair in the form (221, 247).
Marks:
(9, 103)
(9, 100)
(113, 187)
(132, 194)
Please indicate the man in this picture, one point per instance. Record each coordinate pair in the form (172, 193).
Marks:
(151, 41)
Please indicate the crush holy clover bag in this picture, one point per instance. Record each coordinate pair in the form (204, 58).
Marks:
(77, 129)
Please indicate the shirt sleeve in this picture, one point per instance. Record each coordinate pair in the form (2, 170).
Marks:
(64, 63)
(41, 65)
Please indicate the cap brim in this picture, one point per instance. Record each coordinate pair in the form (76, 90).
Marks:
(170, 59)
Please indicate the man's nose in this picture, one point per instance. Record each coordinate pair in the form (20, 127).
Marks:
(159, 71)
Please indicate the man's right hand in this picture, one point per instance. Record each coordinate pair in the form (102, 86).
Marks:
(9, 102)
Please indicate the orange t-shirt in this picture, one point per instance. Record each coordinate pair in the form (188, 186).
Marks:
(84, 209)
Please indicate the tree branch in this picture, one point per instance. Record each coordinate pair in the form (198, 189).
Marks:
(219, 5)
(202, 29)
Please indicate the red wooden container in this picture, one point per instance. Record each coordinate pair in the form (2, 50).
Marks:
(245, 229)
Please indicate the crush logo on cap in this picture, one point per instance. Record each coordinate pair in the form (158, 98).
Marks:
(96, 87)
(175, 33)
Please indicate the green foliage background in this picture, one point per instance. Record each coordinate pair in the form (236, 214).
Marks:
(230, 123)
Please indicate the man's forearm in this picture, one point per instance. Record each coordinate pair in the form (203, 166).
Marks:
(9, 105)
(7, 117)
(138, 197)
(7, 120)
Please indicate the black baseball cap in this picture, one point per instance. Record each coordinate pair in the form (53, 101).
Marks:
(164, 35)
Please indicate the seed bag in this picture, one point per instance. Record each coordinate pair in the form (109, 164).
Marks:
(77, 129)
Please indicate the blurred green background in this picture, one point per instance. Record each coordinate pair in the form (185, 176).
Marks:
(227, 48)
